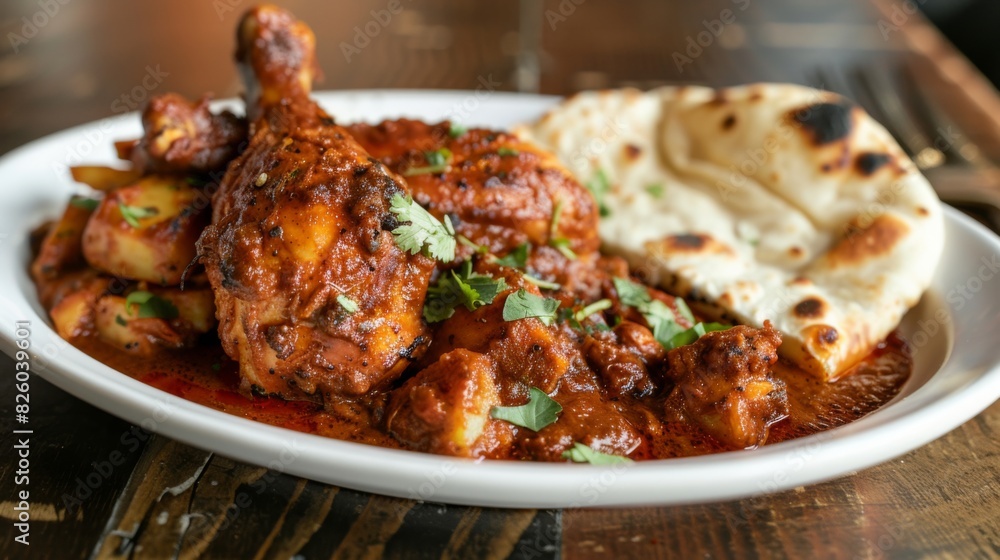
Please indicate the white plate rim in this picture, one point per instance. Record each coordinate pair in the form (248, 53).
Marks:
(920, 417)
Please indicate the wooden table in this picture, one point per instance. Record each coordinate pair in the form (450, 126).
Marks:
(145, 496)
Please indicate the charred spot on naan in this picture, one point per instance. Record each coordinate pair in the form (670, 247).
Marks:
(690, 243)
(842, 160)
(865, 242)
(827, 122)
(810, 308)
(632, 152)
(729, 122)
(868, 163)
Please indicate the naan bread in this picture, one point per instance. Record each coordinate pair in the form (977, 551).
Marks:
(768, 202)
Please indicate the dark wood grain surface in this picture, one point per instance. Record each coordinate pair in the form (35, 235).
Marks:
(105, 489)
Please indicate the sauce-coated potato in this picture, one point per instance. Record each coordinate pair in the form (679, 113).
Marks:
(147, 230)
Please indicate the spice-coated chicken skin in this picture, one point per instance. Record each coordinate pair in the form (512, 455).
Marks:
(312, 294)
(499, 191)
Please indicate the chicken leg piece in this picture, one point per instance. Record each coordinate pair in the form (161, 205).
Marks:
(313, 296)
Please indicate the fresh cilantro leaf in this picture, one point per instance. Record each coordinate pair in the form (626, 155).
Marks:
(507, 152)
(567, 315)
(538, 412)
(543, 284)
(132, 214)
(468, 288)
(349, 305)
(600, 186)
(632, 294)
(688, 336)
(596, 307)
(471, 244)
(437, 162)
(656, 190)
(216, 366)
(556, 214)
(518, 258)
(525, 305)
(661, 319)
(422, 232)
(150, 305)
(89, 204)
(581, 453)
(456, 130)
(684, 310)
(120, 320)
(562, 245)
(559, 243)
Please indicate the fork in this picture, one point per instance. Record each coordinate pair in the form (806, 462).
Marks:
(957, 170)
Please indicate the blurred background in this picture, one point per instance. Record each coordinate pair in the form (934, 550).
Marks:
(64, 62)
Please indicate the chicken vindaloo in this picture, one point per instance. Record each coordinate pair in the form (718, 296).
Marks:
(406, 284)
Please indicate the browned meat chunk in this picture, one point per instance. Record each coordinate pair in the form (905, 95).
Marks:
(723, 384)
(182, 136)
(445, 408)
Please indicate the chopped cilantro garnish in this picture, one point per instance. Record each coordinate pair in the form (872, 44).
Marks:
(518, 258)
(456, 130)
(150, 305)
(562, 245)
(507, 152)
(661, 319)
(422, 232)
(538, 412)
(596, 307)
(543, 284)
(632, 294)
(559, 243)
(656, 190)
(468, 288)
(684, 310)
(120, 320)
(132, 214)
(600, 186)
(525, 305)
(581, 453)
(694, 333)
(472, 245)
(349, 305)
(437, 162)
(556, 214)
(85, 203)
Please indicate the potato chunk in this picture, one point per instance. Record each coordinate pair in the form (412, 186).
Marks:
(61, 249)
(103, 178)
(445, 408)
(122, 324)
(147, 231)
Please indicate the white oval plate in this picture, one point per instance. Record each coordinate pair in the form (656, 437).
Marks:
(953, 331)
